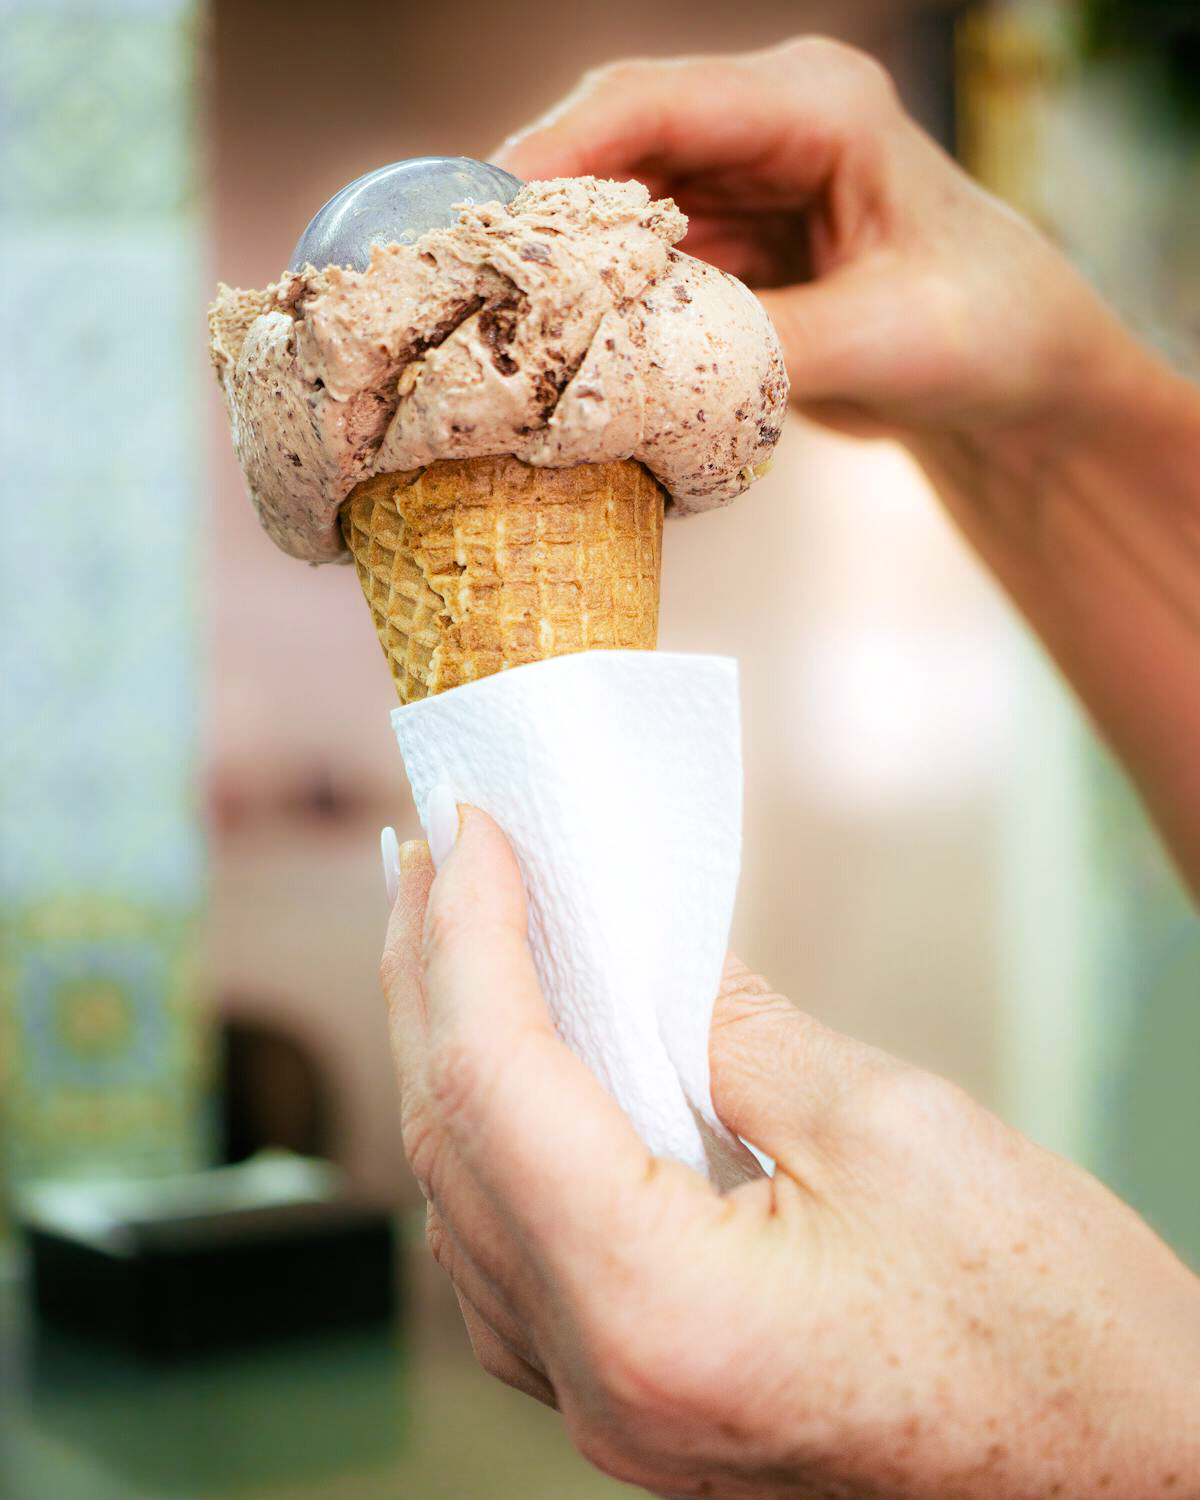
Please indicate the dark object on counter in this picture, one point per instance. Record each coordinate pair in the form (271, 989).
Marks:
(241, 1255)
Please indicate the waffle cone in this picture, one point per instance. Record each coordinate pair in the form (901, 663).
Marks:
(473, 565)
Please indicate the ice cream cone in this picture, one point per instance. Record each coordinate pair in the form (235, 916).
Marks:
(474, 565)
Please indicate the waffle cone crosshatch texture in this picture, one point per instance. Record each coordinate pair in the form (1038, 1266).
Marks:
(471, 566)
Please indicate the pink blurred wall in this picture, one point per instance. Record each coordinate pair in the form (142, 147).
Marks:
(874, 674)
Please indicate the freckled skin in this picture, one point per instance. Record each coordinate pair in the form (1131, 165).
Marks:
(561, 328)
(919, 1305)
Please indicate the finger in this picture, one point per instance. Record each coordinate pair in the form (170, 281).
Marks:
(848, 337)
(400, 966)
(833, 331)
(777, 1074)
(400, 973)
(497, 1360)
(534, 1128)
(761, 249)
(480, 1289)
(743, 116)
(467, 1227)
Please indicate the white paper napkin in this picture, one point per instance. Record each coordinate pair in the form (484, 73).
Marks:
(617, 776)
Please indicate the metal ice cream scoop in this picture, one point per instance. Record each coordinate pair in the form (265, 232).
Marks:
(396, 205)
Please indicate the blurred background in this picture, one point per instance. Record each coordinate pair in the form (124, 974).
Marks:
(195, 755)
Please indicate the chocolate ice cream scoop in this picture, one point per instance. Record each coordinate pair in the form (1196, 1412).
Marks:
(395, 205)
(557, 326)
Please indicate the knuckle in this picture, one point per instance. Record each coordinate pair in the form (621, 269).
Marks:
(744, 995)
(419, 1137)
(738, 979)
(391, 970)
(492, 1361)
(646, 1400)
(621, 73)
(856, 72)
(698, 1483)
(869, 80)
(492, 1357)
(639, 1382)
(453, 1079)
(906, 1104)
(446, 928)
(437, 1241)
(813, 50)
(598, 1444)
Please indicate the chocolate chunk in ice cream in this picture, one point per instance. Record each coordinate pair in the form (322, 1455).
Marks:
(560, 328)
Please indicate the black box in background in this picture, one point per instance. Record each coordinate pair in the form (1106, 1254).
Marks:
(267, 1250)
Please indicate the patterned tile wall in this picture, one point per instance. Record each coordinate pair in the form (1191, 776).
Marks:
(102, 1050)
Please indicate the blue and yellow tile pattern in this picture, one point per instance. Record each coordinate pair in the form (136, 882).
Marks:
(102, 1051)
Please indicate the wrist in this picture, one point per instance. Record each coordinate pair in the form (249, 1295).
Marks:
(1116, 431)
(1089, 516)
(1128, 410)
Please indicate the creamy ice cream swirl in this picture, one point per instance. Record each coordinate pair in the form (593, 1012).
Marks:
(562, 328)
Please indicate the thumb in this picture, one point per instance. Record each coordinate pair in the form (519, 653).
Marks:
(834, 333)
(777, 1074)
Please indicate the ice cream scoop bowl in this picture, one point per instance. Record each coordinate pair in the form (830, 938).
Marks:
(474, 565)
(395, 205)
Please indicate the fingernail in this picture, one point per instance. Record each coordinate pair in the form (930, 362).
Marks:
(389, 849)
(441, 823)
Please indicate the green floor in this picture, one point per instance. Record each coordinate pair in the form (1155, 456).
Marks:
(383, 1416)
